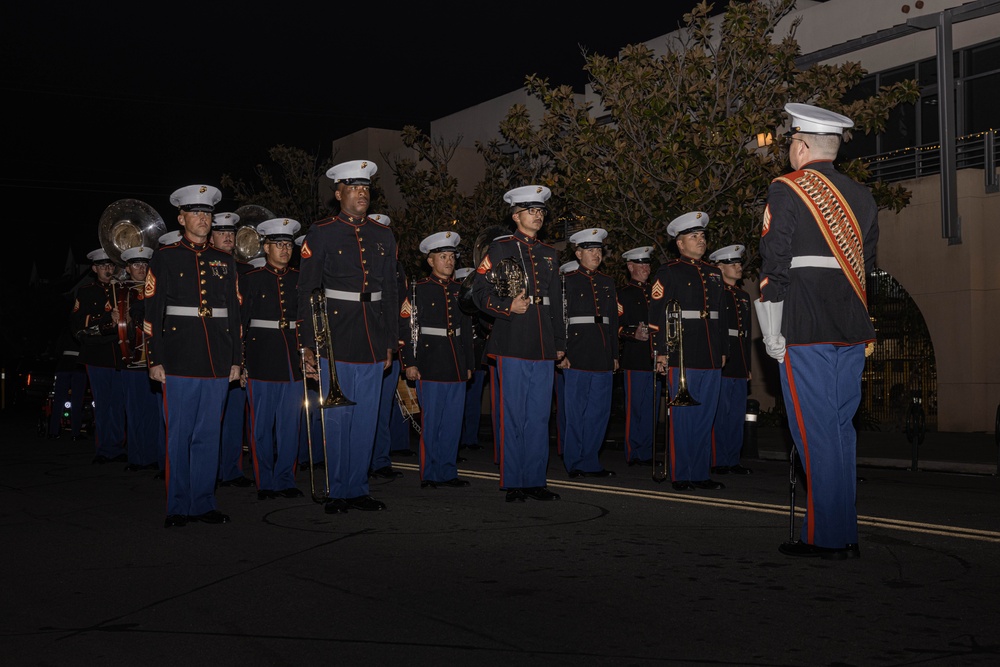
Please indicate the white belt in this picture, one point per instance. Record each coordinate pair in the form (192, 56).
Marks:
(544, 300)
(437, 331)
(815, 261)
(191, 311)
(696, 314)
(272, 324)
(589, 319)
(353, 296)
(71, 353)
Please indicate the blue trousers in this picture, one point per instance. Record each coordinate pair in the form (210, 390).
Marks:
(440, 402)
(727, 432)
(350, 431)
(193, 411)
(275, 409)
(144, 413)
(70, 387)
(691, 426)
(559, 389)
(109, 410)
(525, 402)
(495, 411)
(822, 389)
(641, 412)
(383, 432)
(588, 410)
(473, 408)
(231, 443)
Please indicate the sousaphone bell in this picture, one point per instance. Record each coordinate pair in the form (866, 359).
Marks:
(129, 223)
(249, 243)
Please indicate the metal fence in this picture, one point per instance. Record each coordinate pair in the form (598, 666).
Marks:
(973, 151)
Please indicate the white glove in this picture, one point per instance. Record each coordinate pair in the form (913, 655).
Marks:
(769, 319)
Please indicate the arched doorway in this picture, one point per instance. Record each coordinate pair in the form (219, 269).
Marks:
(901, 368)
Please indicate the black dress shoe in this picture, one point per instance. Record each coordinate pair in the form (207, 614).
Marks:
(386, 472)
(720, 470)
(455, 482)
(160, 475)
(853, 551)
(600, 473)
(428, 484)
(365, 504)
(133, 467)
(682, 486)
(152, 466)
(575, 473)
(335, 506)
(100, 459)
(213, 516)
(709, 484)
(540, 493)
(474, 446)
(805, 550)
(121, 458)
(175, 521)
(265, 494)
(402, 452)
(460, 459)
(515, 495)
(291, 492)
(740, 470)
(303, 466)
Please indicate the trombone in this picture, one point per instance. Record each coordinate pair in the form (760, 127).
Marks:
(675, 341)
(322, 338)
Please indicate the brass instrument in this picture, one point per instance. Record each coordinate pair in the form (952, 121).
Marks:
(414, 327)
(479, 250)
(129, 223)
(249, 243)
(324, 339)
(317, 498)
(131, 339)
(659, 463)
(508, 278)
(675, 341)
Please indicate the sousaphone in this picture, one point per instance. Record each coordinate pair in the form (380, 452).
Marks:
(479, 250)
(249, 243)
(129, 223)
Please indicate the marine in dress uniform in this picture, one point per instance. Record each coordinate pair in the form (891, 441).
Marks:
(95, 322)
(528, 335)
(591, 355)
(559, 380)
(439, 360)
(234, 419)
(727, 431)
(473, 411)
(271, 361)
(697, 287)
(388, 410)
(817, 245)
(352, 259)
(143, 404)
(641, 385)
(192, 327)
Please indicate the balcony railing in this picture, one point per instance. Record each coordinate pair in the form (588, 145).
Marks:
(973, 151)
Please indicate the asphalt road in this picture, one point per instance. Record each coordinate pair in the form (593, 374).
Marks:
(618, 572)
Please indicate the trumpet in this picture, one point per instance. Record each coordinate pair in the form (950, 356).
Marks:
(324, 339)
(675, 341)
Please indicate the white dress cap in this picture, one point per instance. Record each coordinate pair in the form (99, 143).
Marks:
(728, 255)
(299, 240)
(439, 242)
(196, 198)
(528, 196)
(279, 229)
(589, 238)
(810, 119)
(355, 172)
(640, 255)
(258, 262)
(138, 252)
(569, 266)
(381, 218)
(98, 255)
(461, 273)
(170, 237)
(695, 221)
(224, 222)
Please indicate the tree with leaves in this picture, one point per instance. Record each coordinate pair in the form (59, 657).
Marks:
(677, 131)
